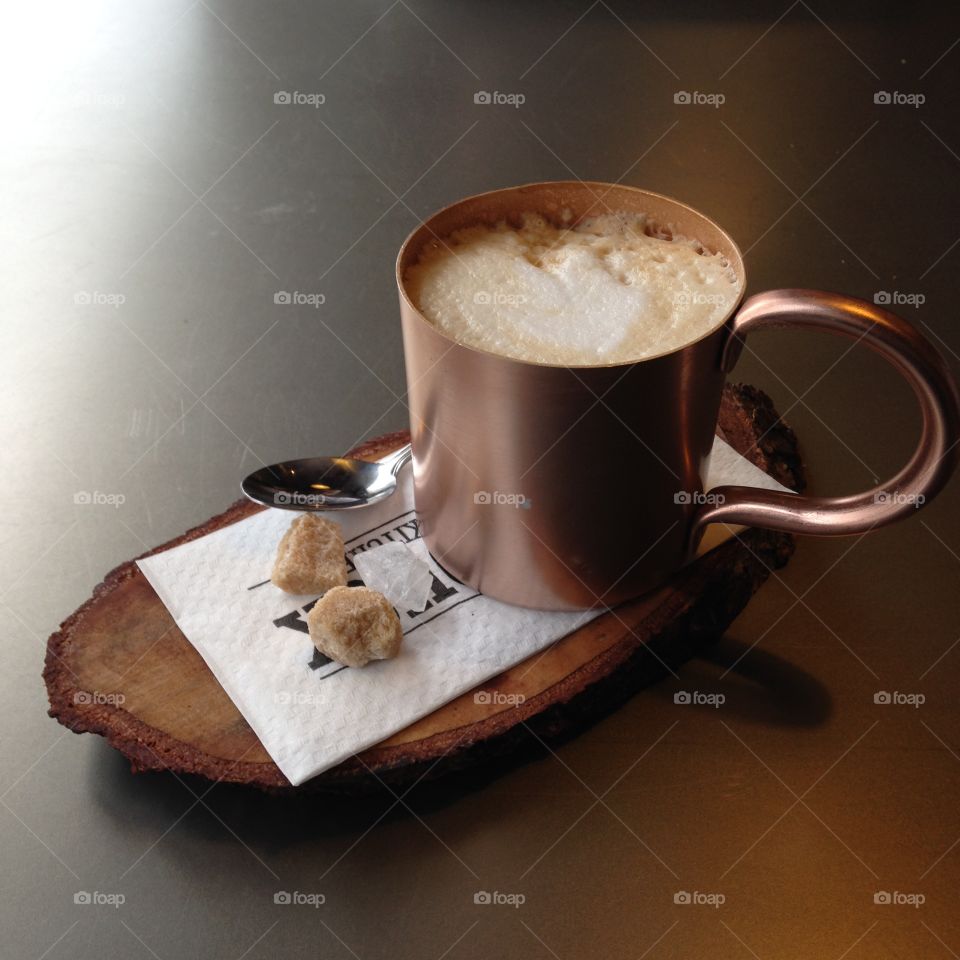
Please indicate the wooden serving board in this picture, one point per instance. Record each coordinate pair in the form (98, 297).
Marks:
(173, 714)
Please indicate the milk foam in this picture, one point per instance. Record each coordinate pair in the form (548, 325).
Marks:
(604, 291)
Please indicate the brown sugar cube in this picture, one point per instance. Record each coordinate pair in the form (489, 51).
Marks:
(310, 556)
(354, 625)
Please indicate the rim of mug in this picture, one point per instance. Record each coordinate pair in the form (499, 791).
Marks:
(735, 305)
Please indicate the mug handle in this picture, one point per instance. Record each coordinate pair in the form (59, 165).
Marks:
(912, 355)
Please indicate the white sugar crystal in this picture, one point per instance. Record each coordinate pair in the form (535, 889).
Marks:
(396, 572)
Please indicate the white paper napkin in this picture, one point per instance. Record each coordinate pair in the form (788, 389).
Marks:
(311, 713)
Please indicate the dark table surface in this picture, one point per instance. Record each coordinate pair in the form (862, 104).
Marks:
(156, 198)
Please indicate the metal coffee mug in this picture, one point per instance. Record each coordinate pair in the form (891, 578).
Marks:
(574, 487)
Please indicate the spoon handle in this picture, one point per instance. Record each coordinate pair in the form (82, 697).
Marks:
(394, 461)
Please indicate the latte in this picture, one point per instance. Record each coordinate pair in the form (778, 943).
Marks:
(608, 289)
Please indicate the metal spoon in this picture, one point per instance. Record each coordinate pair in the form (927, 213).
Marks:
(326, 483)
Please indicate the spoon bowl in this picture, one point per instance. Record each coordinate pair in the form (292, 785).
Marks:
(326, 483)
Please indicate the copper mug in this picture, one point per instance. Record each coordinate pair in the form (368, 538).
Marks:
(557, 487)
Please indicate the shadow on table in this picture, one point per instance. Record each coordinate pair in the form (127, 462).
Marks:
(760, 688)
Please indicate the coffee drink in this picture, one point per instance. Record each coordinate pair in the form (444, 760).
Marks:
(609, 457)
(608, 289)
